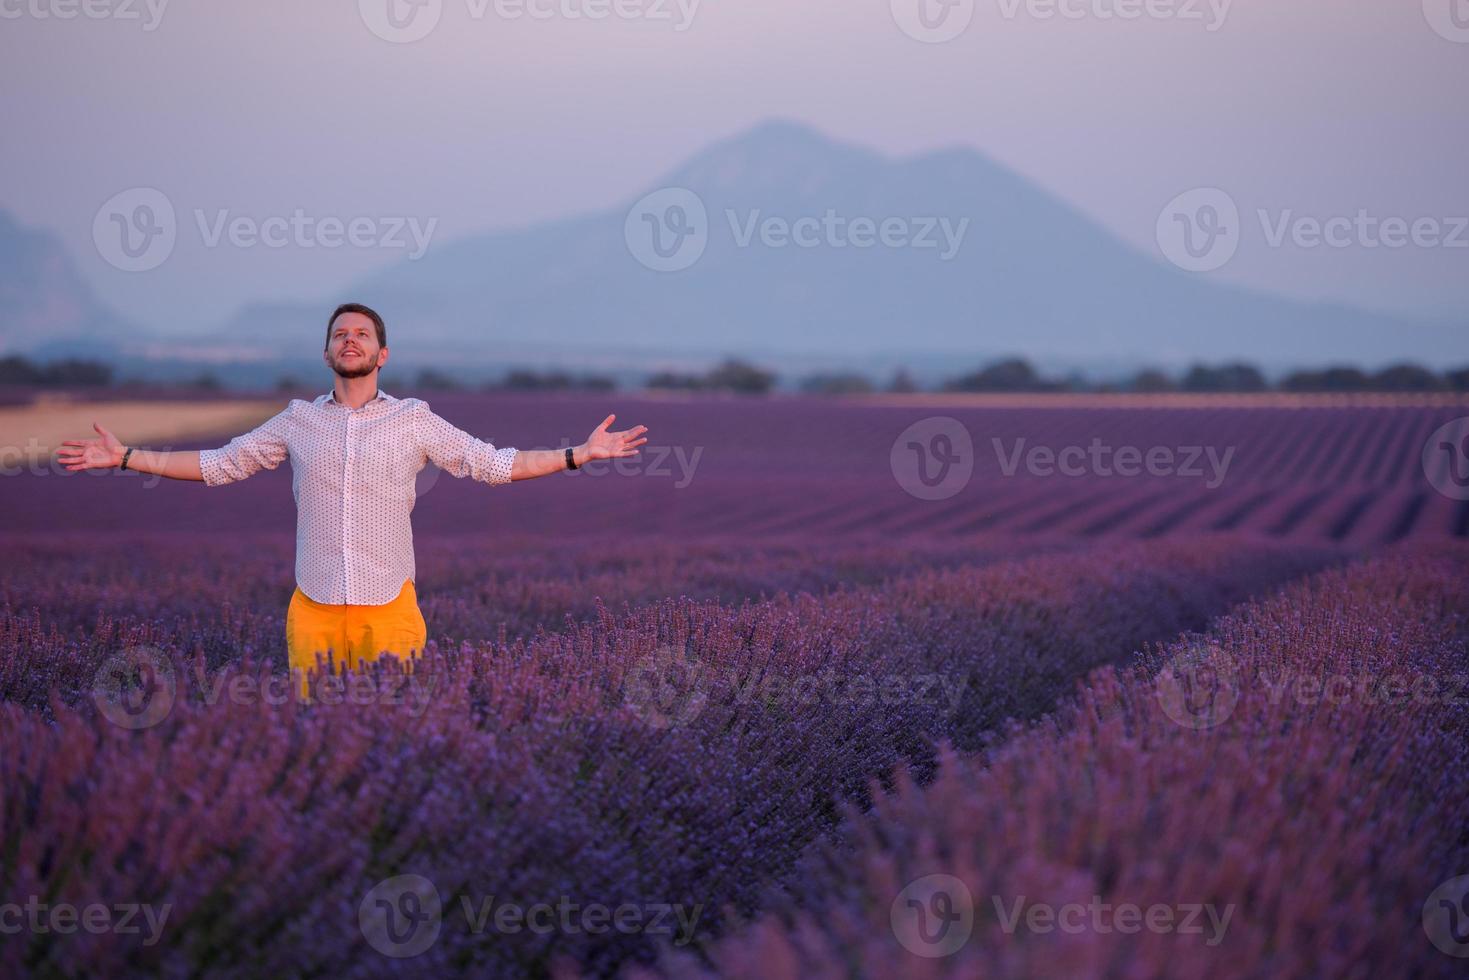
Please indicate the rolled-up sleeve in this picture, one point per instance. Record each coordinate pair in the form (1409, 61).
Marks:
(457, 452)
(262, 448)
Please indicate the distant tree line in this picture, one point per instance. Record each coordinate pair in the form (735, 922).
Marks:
(431, 379)
(742, 377)
(71, 373)
(81, 373)
(731, 374)
(1398, 377)
(1016, 375)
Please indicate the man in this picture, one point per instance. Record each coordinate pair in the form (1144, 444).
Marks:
(355, 453)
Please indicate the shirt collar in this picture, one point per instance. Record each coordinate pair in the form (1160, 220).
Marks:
(330, 398)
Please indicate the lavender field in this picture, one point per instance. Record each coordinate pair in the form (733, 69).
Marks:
(756, 466)
(809, 688)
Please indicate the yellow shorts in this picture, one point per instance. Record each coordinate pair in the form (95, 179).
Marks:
(354, 635)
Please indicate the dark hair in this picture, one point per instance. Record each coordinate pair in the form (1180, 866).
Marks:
(371, 314)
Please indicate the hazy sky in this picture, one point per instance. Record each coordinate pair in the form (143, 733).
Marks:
(497, 118)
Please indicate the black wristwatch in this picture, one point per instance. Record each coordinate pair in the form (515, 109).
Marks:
(125, 457)
(570, 459)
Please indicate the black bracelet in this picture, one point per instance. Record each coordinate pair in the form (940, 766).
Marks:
(570, 459)
(125, 457)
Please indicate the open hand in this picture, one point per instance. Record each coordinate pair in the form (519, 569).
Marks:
(91, 454)
(602, 444)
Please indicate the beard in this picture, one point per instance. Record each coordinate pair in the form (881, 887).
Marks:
(364, 367)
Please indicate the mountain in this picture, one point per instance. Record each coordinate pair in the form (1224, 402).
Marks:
(1032, 276)
(46, 310)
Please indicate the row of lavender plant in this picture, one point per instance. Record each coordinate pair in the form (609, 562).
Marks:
(69, 601)
(677, 756)
(1282, 797)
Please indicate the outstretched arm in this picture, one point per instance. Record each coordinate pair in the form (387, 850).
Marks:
(261, 448)
(106, 452)
(460, 454)
(601, 444)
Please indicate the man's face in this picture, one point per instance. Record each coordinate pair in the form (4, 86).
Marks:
(352, 351)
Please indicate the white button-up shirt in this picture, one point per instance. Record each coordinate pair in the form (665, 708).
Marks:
(354, 478)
